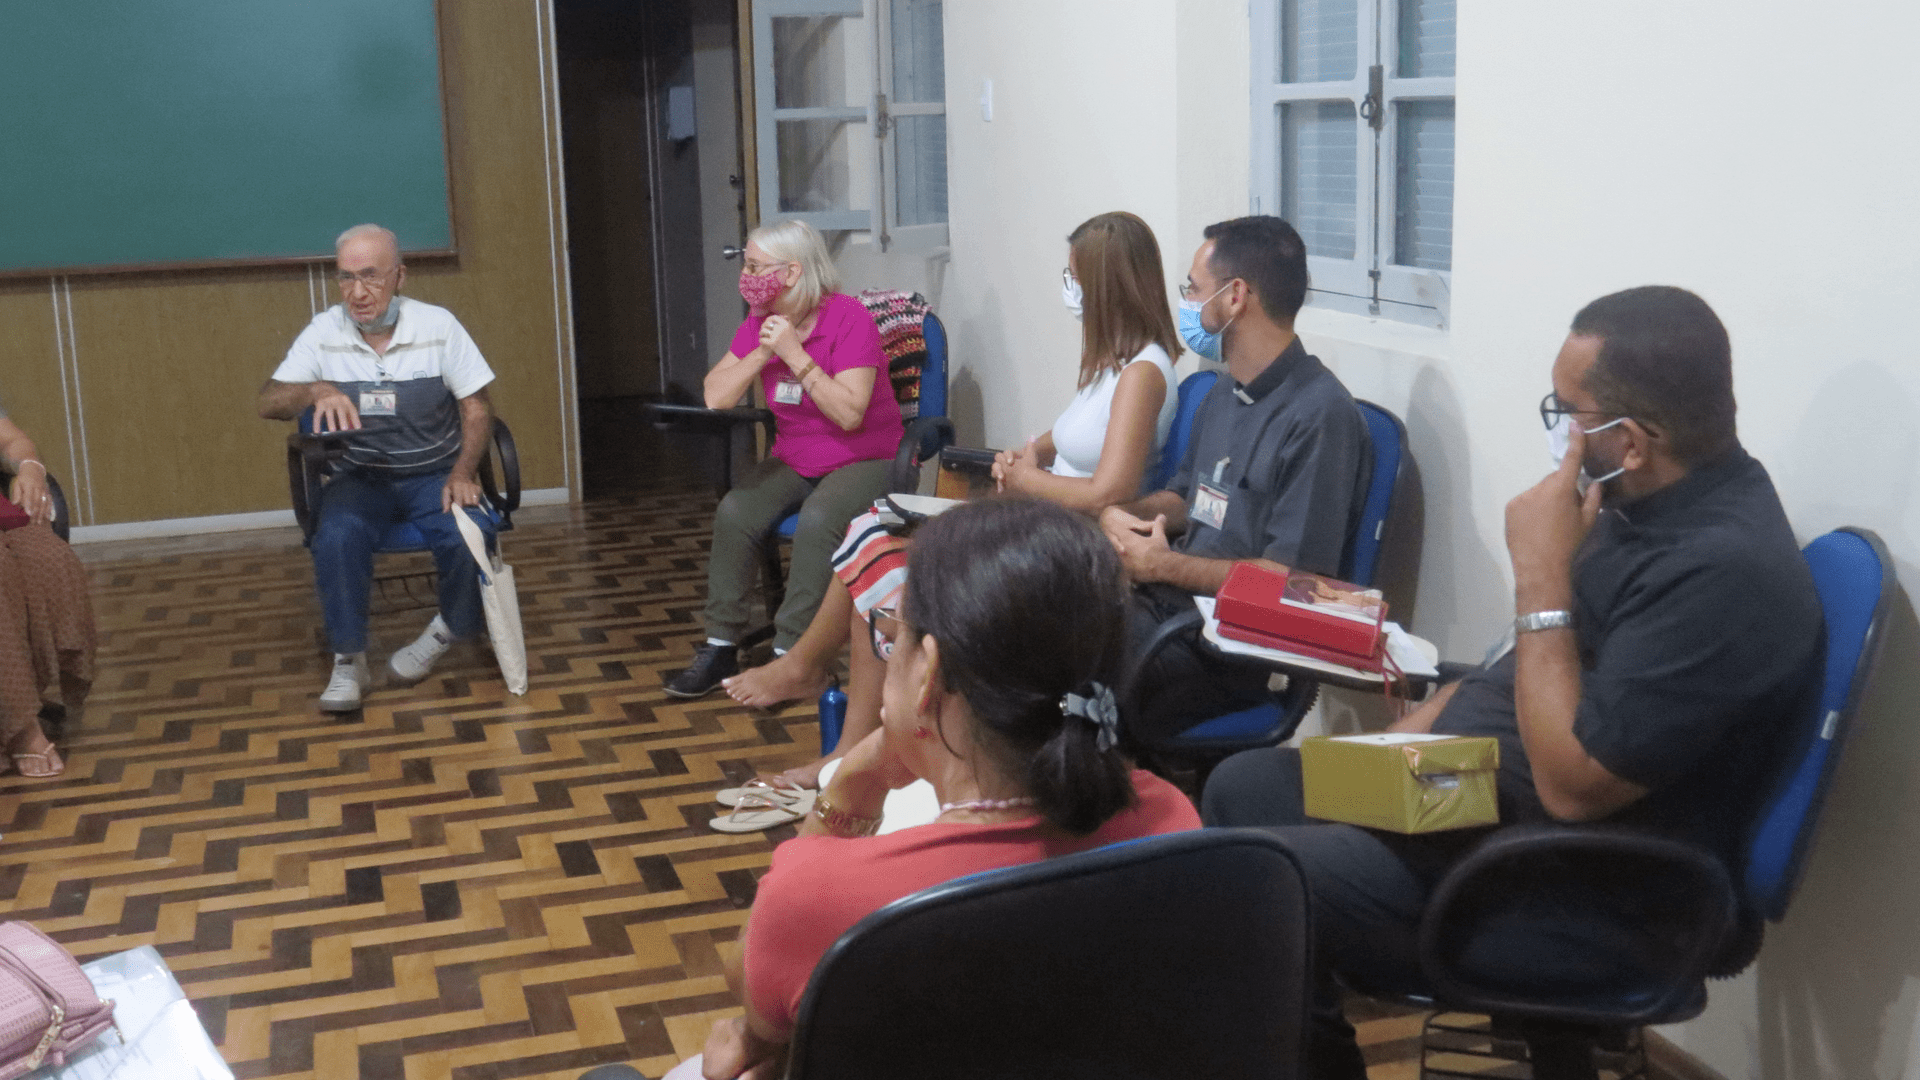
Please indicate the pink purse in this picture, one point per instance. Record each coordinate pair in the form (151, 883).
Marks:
(47, 1005)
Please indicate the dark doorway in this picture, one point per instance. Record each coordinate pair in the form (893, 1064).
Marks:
(647, 89)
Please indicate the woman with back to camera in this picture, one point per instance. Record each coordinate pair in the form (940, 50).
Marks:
(816, 353)
(1096, 454)
(46, 619)
(1000, 664)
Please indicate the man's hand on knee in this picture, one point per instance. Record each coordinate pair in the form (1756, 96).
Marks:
(461, 491)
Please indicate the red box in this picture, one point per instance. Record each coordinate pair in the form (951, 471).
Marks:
(1306, 613)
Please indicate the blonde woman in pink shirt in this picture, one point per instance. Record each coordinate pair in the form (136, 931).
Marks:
(817, 356)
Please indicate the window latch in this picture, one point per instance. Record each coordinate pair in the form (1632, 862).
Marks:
(1373, 106)
(880, 117)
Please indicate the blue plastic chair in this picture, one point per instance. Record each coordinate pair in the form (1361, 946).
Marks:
(1720, 921)
(1193, 390)
(1271, 723)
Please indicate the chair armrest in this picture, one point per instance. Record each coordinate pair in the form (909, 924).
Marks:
(309, 459)
(924, 438)
(1293, 702)
(61, 523)
(699, 419)
(1584, 924)
(503, 450)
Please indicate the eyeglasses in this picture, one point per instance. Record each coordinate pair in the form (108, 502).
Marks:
(369, 278)
(756, 269)
(1553, 407)
(883, 625)
(1066, 276)
(1190, 290)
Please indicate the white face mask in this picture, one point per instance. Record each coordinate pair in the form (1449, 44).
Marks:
(1071, 295)
(1560, 435)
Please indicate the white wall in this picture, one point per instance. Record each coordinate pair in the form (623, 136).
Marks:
(1603, 146)
(1760, 153)
(1098, 105)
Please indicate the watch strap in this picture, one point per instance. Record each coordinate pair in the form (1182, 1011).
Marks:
(1542, 620)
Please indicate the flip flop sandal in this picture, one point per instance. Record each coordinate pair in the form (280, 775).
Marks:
(762, 789)
(754, 813)
(42, 766)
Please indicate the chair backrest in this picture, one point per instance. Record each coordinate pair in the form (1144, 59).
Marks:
(1389, 438)
(1193, 390)
(1853, 574)
(1174, 956)
(933, 374)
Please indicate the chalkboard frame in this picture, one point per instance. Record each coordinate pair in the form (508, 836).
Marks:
(451, 251)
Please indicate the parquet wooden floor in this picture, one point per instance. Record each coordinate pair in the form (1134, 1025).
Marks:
(453, 884)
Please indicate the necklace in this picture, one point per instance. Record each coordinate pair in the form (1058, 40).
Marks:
(986, 804)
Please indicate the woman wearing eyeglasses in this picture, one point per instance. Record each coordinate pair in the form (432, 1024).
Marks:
(46, 620)
(817, 356)
(1000, 664)
(1096, 454)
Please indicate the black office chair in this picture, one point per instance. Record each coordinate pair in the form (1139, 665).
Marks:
(1693, 921)
(1171, 957)
(311, 460)
(61, 523)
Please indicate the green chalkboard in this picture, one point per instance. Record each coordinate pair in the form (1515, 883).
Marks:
(146, 133)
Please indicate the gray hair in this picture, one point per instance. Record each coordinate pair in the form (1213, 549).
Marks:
(799, 242)
(370, 229)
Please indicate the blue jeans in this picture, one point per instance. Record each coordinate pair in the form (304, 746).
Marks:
(356, 510)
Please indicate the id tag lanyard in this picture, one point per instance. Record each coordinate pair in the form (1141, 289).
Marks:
(379, 399)
(786, 392)
(1210, 499)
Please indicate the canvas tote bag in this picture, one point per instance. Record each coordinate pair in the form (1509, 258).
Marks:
(501, 602)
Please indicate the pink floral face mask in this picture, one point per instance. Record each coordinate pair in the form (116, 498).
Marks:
(760, 290)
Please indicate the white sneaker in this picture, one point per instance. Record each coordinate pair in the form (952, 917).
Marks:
(350, 681)
(412, 663)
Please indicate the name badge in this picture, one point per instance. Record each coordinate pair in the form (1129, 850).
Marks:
(1209, 505)
(786, 393)
(379, 401)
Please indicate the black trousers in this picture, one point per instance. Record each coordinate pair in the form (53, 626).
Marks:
(1189, 681)
(1370, 888)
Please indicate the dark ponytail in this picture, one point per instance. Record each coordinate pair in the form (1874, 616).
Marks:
(1028, 603)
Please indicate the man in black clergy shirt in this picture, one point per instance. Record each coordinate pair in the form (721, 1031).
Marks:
(1668, 637)
(1276, 471)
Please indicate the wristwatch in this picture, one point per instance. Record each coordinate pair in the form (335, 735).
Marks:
(841, 823)
(1542, 620)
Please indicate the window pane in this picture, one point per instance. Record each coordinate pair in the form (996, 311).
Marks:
(919, 52)
(920, 169)
(1423, 200)
(1319, 40)
(1426, 39)
(1318, 177)
(810, 62)
(813, 165)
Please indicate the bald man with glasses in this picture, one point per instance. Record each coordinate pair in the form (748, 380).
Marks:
(406, 386)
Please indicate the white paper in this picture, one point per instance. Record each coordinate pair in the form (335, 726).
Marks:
(163, 1038)
(1415, 656)
(1391, 738)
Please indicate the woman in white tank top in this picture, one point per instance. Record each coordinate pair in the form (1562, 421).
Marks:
(1101, 448)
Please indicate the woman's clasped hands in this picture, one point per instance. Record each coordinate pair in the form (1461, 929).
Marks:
(1011, 468)
(777, 335)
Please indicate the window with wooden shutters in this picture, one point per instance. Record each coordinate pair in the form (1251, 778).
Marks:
(1353, 144)
(850, 117)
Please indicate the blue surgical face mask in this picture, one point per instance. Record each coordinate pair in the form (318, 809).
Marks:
(1205, 343)
(1560, 434)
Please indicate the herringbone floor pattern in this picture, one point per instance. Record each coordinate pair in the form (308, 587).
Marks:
(453, 884)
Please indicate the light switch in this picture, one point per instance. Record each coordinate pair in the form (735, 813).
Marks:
(986, 99)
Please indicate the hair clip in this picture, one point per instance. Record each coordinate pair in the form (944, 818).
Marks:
(1098, 708)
